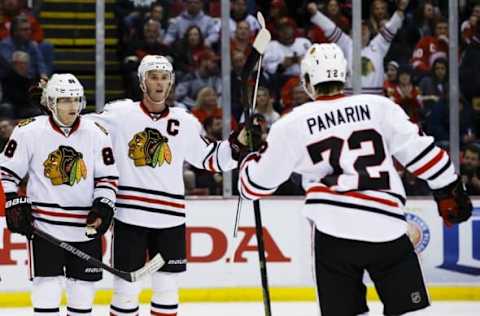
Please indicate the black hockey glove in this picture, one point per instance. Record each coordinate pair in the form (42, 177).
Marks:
(240, 141)
(18, 211)
(454, 205)
(102, 209)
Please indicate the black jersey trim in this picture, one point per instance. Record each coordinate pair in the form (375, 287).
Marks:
(253, 184)
(153, 192)
(216, 156)
(420, 156)
(150, 209)
(396, 195)
(208, 156)
(442, 170)
(161, 306)
(46, 310)
(355, 206)
(66, 208)
(78, 310)
(106, 187)
(106, 177)
(10, 172)
(41, 219)
(124, 310)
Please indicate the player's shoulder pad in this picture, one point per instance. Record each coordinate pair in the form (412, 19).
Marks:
(118, 105)
(181, 113)
(25, 122)
(103, 129)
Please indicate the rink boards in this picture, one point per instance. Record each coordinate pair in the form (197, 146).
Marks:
(222, 268)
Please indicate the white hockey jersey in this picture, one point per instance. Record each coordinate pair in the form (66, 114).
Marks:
(66, 173)
(276, 52)
(150, 150)
(347, 144)
(372, 55)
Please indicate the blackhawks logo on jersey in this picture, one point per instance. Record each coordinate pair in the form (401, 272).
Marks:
(149, 148)
(65, 166)
(367, 66)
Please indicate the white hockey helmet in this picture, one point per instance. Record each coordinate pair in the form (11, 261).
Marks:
(154, 62)
(62, 86)
(322, 63)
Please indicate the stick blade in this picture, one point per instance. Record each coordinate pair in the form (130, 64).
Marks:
(152, 266)
(261, 19)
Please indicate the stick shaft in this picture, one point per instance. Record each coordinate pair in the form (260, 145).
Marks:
(262, 259)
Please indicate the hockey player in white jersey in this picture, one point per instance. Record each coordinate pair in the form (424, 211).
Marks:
(151, 142)
(373, 51)
(71, 193)
(357, 202)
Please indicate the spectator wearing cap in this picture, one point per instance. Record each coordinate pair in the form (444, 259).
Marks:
(193, 15)
(391, 80)
(373, 51)
(430, 48)
(20, 40)
(239, 13)
(407, 95)
(207, 74)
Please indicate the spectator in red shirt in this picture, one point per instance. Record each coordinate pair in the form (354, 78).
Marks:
(391, 81)
(207, 105)
(469, 26)
(333, 12)
(430, 48)
(407, 95)
(12, 8)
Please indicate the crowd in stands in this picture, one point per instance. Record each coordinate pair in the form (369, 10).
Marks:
(404, 57)
(25, 57)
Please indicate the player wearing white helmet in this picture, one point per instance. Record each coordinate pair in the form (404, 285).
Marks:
(71, 192)
(64, 98)
(345, 146)
(151, 143)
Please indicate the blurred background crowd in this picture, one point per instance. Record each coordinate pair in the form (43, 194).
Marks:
(412, 63)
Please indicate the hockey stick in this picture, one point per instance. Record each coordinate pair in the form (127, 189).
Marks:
(153, 265)
(255, 57)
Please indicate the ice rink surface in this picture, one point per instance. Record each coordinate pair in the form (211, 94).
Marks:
(278, 309)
